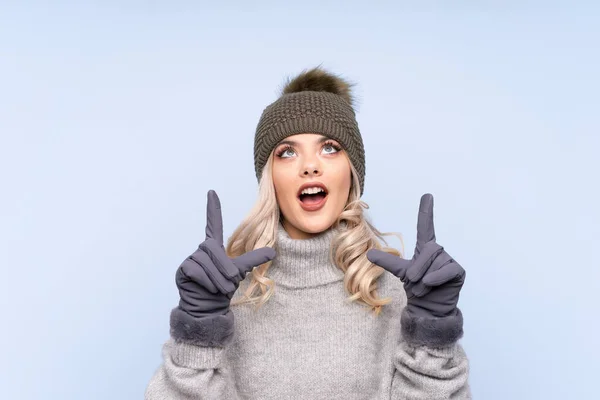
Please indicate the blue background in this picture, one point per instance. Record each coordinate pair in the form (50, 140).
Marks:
(116, 118)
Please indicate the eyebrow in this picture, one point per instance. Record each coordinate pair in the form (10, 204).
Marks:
(293, 143)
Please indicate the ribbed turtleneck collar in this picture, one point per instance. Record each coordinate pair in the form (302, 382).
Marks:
(301, 263)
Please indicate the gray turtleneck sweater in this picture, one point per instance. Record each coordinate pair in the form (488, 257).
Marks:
(307, 342)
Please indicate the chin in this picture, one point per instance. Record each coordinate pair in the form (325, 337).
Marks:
(312, 224)
(316, 226)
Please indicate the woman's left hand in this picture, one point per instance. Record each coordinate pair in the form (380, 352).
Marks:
(432, 279)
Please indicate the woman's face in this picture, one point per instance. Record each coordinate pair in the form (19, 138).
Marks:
(313, 160)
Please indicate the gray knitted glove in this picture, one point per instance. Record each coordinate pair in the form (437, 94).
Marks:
(207, 280)
(432, 280)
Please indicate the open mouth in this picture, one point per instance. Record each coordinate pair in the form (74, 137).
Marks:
(312, 198)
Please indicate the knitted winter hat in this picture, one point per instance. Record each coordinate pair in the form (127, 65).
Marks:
(316, 101)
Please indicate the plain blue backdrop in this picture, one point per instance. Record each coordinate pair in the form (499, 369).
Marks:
(116, 118)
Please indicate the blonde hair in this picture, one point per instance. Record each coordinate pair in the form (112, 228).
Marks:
(348, 250)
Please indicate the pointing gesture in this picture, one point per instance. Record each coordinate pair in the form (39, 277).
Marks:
(208, 278)
(432, 279)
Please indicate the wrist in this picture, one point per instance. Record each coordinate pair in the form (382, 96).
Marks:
(205, 308)
(427, 309)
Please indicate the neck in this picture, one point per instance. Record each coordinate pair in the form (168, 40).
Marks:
(301, 263)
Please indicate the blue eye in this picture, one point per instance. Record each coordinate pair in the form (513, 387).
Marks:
(333, 146)
(281, 152)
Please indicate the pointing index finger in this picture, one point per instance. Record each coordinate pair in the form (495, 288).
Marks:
(214, 218)
(425, 228)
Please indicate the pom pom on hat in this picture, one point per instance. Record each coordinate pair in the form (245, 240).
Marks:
(319, 80)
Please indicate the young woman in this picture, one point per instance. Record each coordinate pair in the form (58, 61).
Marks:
(319, 328)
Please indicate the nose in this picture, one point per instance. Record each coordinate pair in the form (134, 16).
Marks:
(312, 168)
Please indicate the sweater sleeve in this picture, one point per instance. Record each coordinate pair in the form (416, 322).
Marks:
(429, 362)
(194, 365)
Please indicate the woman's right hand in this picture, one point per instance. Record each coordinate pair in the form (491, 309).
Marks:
(208, 278)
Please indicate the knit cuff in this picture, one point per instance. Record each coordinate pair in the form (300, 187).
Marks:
(210, 331)
(196, 357)
(431, 332)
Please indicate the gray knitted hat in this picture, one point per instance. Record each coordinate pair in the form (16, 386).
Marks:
(316, 101)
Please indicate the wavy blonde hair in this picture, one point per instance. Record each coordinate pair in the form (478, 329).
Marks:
(348, 250)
